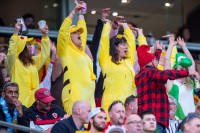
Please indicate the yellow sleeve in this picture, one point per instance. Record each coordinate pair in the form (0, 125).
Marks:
(131, 43)
(104, 43)
(63, 35)
(82, 24)
(41, 58)
(12, 53)
(142, 40)
(173, 56)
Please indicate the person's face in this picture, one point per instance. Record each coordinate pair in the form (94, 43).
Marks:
(76, 39)
(30, 23)
(172, 107)
(149, 122)
(193, 126)
(198, 107)
(84, 111)
(11, 93)
(43, 105)
(134, 124)
(117, 114)
(99, 121)
(122, 49)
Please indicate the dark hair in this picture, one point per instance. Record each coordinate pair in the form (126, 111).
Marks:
(129, 99)
(28, 15)
(114, 103)
(146, 113)
(114, 43)
(13, 84)
(25, 57)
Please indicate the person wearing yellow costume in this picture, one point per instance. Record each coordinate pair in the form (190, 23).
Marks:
(117, 58)
(79, 79)
(22, 67)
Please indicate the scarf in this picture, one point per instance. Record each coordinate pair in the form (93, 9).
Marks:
(5, 110)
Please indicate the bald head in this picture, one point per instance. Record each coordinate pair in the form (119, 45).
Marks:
(134, 124)
(78, 105)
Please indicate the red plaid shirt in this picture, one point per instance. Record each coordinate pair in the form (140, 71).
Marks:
(151, 91)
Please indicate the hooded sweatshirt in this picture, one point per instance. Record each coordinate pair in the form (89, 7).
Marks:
(79, 79)
(26, 76)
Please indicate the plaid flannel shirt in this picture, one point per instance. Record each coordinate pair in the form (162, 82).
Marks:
(152, 93)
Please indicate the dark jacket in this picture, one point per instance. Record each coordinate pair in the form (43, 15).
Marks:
(20, 120)
(65, 126)
(41, 118)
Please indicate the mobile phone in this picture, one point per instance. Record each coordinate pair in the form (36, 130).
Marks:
(24, 29)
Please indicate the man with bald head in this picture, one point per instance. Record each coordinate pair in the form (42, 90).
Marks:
(134, 124)
(76, 121)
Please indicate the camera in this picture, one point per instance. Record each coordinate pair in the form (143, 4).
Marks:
(23, 29)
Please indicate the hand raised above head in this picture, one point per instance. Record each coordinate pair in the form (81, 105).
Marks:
(181, 42)
(44, 30)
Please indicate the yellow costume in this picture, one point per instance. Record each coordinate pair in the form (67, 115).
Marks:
(79, 80)
(26, 76)
(119, 80)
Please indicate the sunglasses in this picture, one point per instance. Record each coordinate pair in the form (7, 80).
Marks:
(114, 103)
(10, 84)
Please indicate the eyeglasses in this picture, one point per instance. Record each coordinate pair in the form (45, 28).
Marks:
(114, 103)
(172, 103)
(135, 122)
(9, 84)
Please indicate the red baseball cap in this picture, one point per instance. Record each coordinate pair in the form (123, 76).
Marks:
(44, 95)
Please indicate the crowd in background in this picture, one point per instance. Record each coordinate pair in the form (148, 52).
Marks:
(118, 84)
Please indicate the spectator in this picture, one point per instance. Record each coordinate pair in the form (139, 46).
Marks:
(11, 109)
(134, 124)
(116, 113)
(75, 62)
(131, 105)
(151, 89)
(2, 67)
(149, 120)
(173, 120)
(43, 114)
(97, 118)
(116, 59)
(76, 121)
(22, 67)
(29, 20)
(181, 88)
(191, 124)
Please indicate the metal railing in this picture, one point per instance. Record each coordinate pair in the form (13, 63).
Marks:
(54, 34)
(19, 127)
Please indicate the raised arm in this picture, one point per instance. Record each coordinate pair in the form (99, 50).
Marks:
(63, 34)
(12, 54)
(182, 43)
(141, 38)
(41, 58)
(167, 63)
(104, 43)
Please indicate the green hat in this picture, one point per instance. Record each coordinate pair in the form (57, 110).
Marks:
(182, 60)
